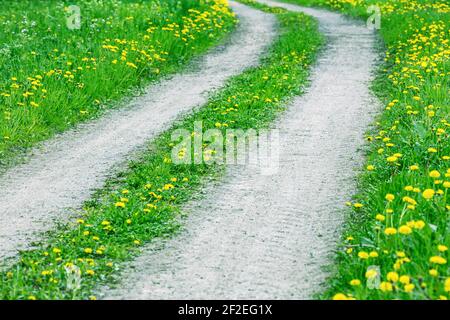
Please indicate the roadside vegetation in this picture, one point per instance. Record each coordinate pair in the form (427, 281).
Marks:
(54, 75)
(397, 236)
(145, 201)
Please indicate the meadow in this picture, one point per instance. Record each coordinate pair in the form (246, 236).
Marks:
(55, 73)
(396, 238)
(395, 241)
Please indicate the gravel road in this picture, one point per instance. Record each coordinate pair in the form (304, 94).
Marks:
(268, 236)
(63, 173)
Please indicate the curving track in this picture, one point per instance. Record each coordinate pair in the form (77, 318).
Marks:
(267, 237)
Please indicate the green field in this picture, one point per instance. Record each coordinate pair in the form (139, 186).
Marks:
(54, 75)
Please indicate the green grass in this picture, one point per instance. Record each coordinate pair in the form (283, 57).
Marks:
(145, 201)
(54, 77)
(399, 219)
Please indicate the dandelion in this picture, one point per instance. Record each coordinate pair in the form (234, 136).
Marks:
(363, 255)
(392, 276)
(409, 287)
(120, 204)
(371, 273)
(405, 279)
(419, 224)
(447, 285)
(433, 272)
(405, 230)
(386, 286)
(340, 296)
(428, 194)
(355, 282)
(391, 159)
(390, 231)
(390, 197)
(438, 260)
(434, 174)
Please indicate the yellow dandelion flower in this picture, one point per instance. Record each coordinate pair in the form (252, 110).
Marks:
(120, 204)
(391, 159)
(405, 279)
(363, 255)
(409, 287)
(433, 272)
(386, 286)
(447, 285)
(390, 231)
(438, 260)
(392, 276)
(371, 273)
(340, 296)
(434, 174)
(428, 194)
(404, 230)
(355, 282)
(390, 197)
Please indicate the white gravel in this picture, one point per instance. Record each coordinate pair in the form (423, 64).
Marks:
(63, 173)
(267, 237)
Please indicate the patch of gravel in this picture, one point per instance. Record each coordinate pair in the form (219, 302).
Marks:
(267, 237)
(62, 174)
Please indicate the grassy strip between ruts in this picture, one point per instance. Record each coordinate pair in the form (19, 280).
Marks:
(145, 202)
(396, 239)
(53, 76)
